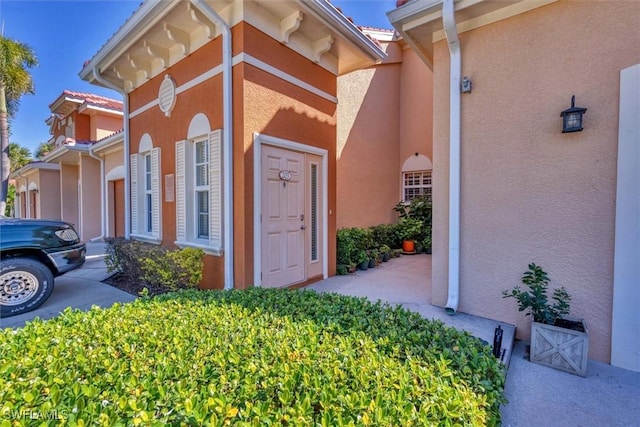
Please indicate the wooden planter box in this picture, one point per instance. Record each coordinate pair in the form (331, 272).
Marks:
(560, 348)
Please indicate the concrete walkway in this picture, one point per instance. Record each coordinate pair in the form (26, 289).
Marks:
(407, 281)
(538, 395)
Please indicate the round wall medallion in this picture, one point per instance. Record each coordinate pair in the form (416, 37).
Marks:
(167, 95)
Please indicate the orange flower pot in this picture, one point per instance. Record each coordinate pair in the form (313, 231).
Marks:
(408, 246)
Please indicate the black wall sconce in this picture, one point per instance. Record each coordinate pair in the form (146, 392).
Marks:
(572, 117)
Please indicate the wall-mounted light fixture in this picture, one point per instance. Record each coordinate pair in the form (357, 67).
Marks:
(572, 117)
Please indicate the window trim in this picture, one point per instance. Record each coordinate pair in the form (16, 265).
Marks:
(186, 194)
(422, 187)
(139, 192)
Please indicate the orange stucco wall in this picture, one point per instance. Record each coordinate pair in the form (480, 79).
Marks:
(269, 106)
(529, 192)
(82, 125)
(262, 103)
(165, 131)
(384, 117)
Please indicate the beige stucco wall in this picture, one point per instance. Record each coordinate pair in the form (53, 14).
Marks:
(368, 143)
(416, 108)
(69, 194)
(529, 192)
(91, 198)
(103, 126)
(384, 116)
(113, 159)
(49, 194)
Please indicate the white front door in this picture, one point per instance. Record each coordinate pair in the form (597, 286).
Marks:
(283, 221)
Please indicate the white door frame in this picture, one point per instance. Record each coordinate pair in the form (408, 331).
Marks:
(258, 140)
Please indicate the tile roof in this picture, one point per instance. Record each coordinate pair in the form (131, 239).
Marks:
(94, 100)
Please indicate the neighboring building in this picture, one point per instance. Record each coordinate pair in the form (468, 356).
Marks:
(384, 135)
(37, 191)
(230, 131)
(528, 192)
(67, 183)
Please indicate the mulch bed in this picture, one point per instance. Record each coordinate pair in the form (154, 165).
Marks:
(121, 282)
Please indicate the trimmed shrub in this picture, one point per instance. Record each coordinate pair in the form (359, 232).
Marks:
(255, 357)
(385, 234)
(176, 269)
(155, 265)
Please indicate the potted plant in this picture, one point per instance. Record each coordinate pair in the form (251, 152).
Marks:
(557, 340)
(373, 256)
(362, 260)
(426, 243)
(408, 230)
(386, 252)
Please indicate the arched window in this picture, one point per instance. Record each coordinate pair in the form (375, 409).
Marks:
(416, 177)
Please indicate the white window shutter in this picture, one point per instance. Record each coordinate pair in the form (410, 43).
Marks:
(181, 189)
(155, 192)
(215, 188)
(134, 194)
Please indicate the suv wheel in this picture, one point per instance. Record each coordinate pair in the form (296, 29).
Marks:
(24, 285)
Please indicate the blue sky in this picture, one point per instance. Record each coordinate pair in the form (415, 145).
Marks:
(64, 34)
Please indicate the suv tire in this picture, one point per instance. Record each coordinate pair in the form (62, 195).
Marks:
(25, 284)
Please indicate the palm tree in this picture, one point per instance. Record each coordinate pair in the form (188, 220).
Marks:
(15, 80)
(43, 149)
(18, 156)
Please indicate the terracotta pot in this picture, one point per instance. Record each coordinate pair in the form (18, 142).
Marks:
(408, 246)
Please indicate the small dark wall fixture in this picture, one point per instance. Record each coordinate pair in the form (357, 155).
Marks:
(572, 117)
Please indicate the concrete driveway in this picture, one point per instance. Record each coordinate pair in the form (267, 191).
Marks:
(81, 288)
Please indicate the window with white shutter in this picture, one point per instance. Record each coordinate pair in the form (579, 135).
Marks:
(145, 195)
(199, 192)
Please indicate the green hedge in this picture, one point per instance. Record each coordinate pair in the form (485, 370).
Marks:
(155, 265)
(248, 358)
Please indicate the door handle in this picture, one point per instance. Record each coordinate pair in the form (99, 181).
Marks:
(302, 227)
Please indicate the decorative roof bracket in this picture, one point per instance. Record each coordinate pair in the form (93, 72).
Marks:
(157, 52)
(289, 24)
(181, 37)
(321, 47)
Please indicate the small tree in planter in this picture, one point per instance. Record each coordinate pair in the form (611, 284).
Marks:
(556, 339)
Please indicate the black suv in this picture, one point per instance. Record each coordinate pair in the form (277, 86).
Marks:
(33, 252)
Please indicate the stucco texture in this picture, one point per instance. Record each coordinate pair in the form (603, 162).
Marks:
(165, 131)
(262, 103)
(528, 192)
(384, 117)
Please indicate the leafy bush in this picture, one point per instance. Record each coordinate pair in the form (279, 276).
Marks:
(176, 269)
(352, 243)
(419, 209)
(155, 265)
(385, 234)
(409, 229)
(535, 300)
(255, 357)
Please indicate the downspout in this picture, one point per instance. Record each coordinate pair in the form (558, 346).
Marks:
(449, 22)
(227, 137)
(103, 211)
(127, 190)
